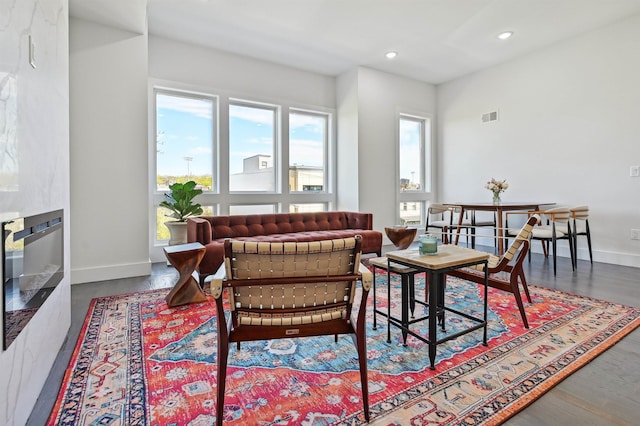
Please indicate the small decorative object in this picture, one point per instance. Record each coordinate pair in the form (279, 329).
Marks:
(496, 187)
(428, 244)
(401, 236)
(180, 202)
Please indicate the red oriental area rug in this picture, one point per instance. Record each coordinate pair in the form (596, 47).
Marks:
(138, 362)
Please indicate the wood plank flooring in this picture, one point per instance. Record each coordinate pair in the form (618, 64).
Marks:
(604, 392)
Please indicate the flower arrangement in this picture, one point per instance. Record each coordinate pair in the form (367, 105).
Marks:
(496, 187)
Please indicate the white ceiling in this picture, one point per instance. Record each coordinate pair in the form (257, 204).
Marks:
(436, 40)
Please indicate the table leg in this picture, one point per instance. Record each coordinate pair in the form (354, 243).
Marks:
(459, 225)
(405, 308)
(412, 294)
(433, 303)
(375, 323)
(486, 295)
(441, 286)
(500, 233)
(388, 305)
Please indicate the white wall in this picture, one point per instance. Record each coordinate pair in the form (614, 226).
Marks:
(348, 185)
(34, 178)
(237, 76)
(231, 76)
(109, 161)
(568, 132)
(381, 97)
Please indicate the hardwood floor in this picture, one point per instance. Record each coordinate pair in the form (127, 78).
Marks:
(604, 392)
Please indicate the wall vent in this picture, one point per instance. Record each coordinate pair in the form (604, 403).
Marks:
(490, 116)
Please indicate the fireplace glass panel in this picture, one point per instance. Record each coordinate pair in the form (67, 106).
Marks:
(33, 265)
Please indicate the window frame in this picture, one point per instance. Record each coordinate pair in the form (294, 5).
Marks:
(220, 198)
(157, 196)
(326, 149)
(427, 164)
(277, 143)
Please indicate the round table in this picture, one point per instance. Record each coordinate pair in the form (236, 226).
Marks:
(401, 236)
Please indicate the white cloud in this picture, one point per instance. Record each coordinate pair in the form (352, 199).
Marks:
(198, 107)
(252, 114)
(200, 150)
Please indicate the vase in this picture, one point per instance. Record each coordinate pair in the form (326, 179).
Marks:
(496, 198)
(177, 232)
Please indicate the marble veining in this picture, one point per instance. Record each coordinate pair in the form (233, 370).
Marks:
(34, 176)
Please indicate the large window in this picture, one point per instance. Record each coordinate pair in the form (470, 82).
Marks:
(414, 167)
(185, 130)
(184, 139)
(252, 148)
(308, 141)
(265, 158)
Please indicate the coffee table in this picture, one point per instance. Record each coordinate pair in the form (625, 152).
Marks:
(185, 258)
(449, 257)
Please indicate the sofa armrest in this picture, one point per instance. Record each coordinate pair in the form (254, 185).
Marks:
(357, 220)
(198, 230)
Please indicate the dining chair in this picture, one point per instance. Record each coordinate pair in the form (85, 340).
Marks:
(557, 227)
(279, 290)
(580, 215)
(483, 222)
(506, 272)
(446, 217)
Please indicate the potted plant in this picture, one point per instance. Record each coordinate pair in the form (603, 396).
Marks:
(180, 202)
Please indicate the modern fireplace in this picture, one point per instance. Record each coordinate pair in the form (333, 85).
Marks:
(33, 265)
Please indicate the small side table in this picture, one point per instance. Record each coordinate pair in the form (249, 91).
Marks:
(407, 277)
(401, 236)
(185, 258)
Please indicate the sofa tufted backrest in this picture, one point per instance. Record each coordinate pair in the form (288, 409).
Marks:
(276, 223)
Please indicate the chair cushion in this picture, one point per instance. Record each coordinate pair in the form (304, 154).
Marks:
(546, 232)
(439, 223)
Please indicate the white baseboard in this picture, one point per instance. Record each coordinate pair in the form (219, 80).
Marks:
(111, 272)
(614, 258)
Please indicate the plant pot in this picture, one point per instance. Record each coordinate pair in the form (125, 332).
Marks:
(177, 232)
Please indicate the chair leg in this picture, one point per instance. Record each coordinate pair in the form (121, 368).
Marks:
(589, 240)
(513, 281)
(572, 247)
(575, 249)
(523, 280)
(360, 340)
(575, 244)
(364, 381)
(554, 246)
(223, 354)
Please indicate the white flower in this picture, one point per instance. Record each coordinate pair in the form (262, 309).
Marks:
(496, 186)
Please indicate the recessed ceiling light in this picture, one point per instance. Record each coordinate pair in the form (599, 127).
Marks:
(505, 35)
(391, 55)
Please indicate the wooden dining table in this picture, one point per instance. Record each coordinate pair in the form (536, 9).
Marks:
(499, 209)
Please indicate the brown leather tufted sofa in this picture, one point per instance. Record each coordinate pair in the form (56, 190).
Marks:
(211, 231)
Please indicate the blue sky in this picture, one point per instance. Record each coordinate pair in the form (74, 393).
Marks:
(410, 149)
(185, 129)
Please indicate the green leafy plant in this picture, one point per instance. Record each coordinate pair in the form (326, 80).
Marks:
(180, 200)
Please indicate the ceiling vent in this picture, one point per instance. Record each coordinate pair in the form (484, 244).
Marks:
(490, 116)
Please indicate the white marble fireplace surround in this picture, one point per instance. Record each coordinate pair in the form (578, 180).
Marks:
(34, 175)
